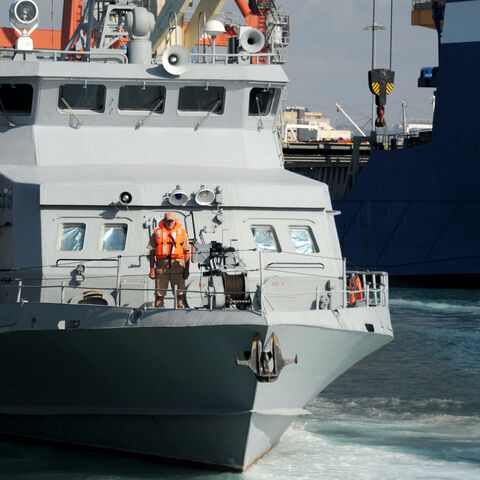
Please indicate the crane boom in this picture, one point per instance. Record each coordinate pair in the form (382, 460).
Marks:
(340, 109)
(211, 8)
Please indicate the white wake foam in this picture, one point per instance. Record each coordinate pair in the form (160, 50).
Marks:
(472, 308)
(304, 455)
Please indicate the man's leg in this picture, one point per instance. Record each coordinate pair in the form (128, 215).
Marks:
(161, 286)
(176, 278)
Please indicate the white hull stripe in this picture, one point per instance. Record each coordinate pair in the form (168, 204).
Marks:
(462, 22)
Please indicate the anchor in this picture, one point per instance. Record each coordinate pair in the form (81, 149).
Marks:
(260, 357)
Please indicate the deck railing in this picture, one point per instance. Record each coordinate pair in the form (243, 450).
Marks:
(402, 140)
(373, 290)
(424, 4)
(119, 56)
(112, 55)
(421, 4)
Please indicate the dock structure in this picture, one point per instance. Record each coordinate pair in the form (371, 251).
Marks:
(335, 163)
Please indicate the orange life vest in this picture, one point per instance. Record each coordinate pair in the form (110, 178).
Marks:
(355, 286)
(170, 243)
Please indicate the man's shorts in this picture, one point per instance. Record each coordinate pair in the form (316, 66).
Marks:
(172, 273)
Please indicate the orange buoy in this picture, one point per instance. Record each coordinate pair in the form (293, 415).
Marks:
(356, 289)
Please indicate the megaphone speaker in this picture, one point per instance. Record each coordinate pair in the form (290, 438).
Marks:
(252, 40)
(204, 196)
(176, 60)
(178, 197)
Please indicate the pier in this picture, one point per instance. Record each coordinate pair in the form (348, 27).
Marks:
(335, 163)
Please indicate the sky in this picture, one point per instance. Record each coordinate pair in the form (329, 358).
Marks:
(330, 54)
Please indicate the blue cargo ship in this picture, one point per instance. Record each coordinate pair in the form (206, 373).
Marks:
(414, 211)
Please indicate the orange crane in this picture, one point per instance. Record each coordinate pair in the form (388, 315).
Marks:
(254, 12)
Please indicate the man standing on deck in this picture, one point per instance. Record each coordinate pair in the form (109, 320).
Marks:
(169, 258)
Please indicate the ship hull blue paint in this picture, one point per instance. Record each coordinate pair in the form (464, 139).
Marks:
(414, 212)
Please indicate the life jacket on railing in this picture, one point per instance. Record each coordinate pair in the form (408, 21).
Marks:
(355, 287)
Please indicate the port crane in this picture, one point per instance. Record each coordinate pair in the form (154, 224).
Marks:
(81, 15)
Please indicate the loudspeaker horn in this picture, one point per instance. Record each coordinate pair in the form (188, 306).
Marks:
(204, 196)
(176, 60)
(252, 40)
(178, 197)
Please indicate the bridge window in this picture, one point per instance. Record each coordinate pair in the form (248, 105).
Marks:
(113, 238)
(146, 98)
(303, 239)
(265, 238)
(82, 97)
(71, 237)
(16, 98)
(201, 99)
(261, 101)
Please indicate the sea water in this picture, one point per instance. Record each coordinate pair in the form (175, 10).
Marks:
(409, 411)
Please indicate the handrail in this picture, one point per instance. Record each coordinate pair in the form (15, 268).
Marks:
(395, 141)
(423, 4)
(315, 293)
(66, 55)
(373, 290)
(370, 279)
(80, 260)
(375, 294)
(243, 58)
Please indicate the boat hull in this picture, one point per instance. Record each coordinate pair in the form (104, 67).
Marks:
(170, 385)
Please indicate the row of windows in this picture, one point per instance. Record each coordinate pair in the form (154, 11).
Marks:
(113, 237)
(302, 239)
(72, 236)
(18, 98)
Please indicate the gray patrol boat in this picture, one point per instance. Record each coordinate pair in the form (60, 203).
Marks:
(96, 144)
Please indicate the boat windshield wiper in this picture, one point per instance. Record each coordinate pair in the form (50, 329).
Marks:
(260, 122)
(4, 110)
(209, 113)
(70, 109)
(141, 123)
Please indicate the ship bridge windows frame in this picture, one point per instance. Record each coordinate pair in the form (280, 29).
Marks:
(16, 98)
(71, 237)
(267, 96)
(303, 239)
(265, 238)
(82, 97)
(288, 235)
(201, 99)
(113, 237)
(142, 98)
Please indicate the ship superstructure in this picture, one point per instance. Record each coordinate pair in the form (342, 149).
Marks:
(97, 143)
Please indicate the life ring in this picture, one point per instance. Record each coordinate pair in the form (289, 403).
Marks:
(355, 285)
